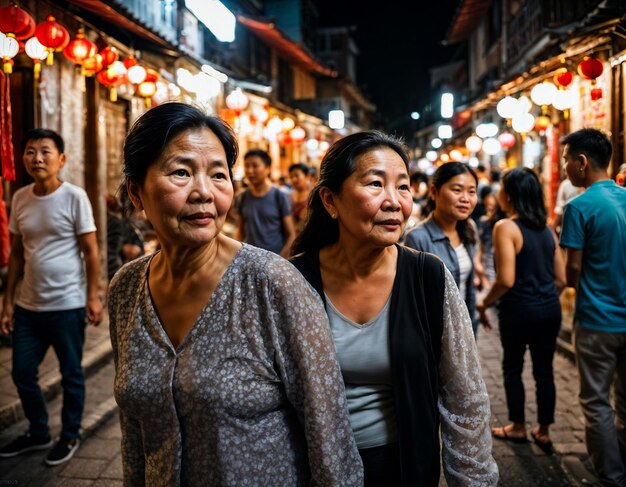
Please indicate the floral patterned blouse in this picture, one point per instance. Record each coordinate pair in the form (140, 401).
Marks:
(252, 396)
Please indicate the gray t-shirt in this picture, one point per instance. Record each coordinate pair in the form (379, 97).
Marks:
(364, 357)
(263, 218)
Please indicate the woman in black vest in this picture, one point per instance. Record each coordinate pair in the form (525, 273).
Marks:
(402, 332)
(529, 277)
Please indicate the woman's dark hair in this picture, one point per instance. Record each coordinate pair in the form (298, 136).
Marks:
(150, 134)
(524, 188)
(441, 176)
(337, 165)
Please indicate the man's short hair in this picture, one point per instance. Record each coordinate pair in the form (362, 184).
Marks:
(299, 166)
(38, 134)
(260, 153)
(591, 142)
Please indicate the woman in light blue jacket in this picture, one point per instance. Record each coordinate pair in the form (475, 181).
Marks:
(448, 231)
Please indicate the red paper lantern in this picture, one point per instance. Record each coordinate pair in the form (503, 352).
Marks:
(52, 35)
(152, 76)
(109, 56)
(507, 140)
(80, 48)
(563, 78)
(111, 79)
(130, 61)
(17, 21)
(596, 93)
(590, 68)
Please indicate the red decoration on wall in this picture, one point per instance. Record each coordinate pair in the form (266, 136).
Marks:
(53, 36)
(6, 129)
(563, 78)
(590, 68)
(596, 93)
(17, 21)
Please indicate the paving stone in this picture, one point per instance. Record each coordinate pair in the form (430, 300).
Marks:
(84, 468)
(114, 470)
(99, 448)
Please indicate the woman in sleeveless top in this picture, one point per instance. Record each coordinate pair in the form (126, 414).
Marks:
(530, 274)
(402, 332)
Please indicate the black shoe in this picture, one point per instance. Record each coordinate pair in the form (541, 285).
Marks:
(62, 451)
(25, 443)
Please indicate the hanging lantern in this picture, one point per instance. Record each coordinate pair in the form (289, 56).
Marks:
(130, 61)
(564, 100)
(152, 76)
(288, 124)
(508, 107)
(473, 143)
(275, 124)
(92, 65)
(563, 78)
(109, 56)
(507, 140)
(297, 134)
(523, 123)
(590, 68)
(112, 77)
(262, 114)
(80, 48)
(237, 101)
(137, 74)
(542, 123)
(52, 35)
(491, 146)
(37, 52)
(147, 89)
(17, 21)
(542, 95)
(9, 48)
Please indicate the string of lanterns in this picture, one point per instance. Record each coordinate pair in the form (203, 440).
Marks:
(42, 41)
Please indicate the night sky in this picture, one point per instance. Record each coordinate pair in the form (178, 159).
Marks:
(397, 48)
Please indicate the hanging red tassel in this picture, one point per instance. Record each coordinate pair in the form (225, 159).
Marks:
(6, 129)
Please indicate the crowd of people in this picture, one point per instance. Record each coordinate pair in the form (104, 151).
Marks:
(328, 337)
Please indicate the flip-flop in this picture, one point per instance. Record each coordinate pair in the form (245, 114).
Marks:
(545, 446)
(505, 437)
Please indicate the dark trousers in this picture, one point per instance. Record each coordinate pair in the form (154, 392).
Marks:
(537, 329)
(381, 466)
(33, 333)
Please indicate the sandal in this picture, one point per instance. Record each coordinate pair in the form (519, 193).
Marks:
(501, 434)
(543, 445)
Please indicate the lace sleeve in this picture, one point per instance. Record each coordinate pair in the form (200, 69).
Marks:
(463, 401)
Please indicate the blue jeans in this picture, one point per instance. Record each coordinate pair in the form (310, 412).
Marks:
(34, 332)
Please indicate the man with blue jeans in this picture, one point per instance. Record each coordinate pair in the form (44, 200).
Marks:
(53, 243)
(594, 236)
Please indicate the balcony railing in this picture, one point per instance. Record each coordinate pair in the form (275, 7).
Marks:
(535, 16)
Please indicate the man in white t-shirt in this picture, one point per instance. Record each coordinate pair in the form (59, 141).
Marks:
(53, 243)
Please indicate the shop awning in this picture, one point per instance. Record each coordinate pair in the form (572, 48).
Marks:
(287, 48)
(466, 19)
(122, 20)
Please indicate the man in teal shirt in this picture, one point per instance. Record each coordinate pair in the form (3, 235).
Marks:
(594, 236)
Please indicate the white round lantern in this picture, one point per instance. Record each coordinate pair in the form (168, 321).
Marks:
(9, 47)
(436, 143)
(237, 100)
(136, 74)
(564, 99)
(275, 124)
(523, 123)
(542, 94)
(473, 143)
(491, 146)
(35, 49)
(486, 130)
(508, 107)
